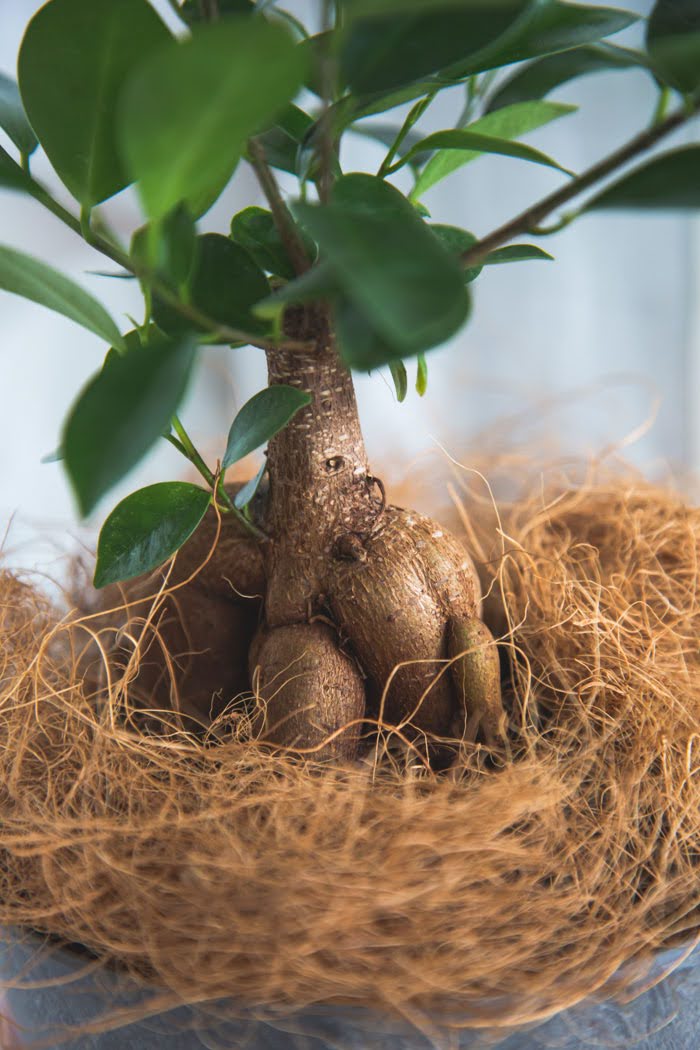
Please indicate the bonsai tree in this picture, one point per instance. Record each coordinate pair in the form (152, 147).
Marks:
(305, 585)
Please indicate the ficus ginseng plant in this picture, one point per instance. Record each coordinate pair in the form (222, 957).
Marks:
(329, 604)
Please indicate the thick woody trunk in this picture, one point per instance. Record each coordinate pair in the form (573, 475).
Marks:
(322, 495)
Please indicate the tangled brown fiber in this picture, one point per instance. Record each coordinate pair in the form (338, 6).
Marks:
(492, 894)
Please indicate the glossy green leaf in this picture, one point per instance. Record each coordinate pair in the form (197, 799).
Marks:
(260, 419)
(475, 145)
(283, 140)
(225, 284)
(385, 51)
(673, 43)
(545, 27)
(388, 263)
(121, 413)
(255, 230)
(146, 528)
(517, 253)
(508, 123)
(32, 279)
(13, 119)
(400, 377)
(538, 78)
(457, 241)
(318, 284)
(246, 493)
(670, 181)
(422, 376)
(74, 60)
(187, 112)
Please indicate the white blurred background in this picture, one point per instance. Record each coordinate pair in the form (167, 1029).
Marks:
(584, 351)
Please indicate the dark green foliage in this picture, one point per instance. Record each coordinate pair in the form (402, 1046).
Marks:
(75, 58)
(13, 119)
(255, 230)
(673, 42)
(260, 419)
(224, 284)
(122, 412)
(392, 271)
(146, 528)
(670, 181)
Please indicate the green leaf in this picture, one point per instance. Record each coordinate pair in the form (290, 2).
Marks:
(225, 284)
(187, 112)
(457, 241)
(398, 374)
(361, 345)
(388, 264)
(146, 528)
(260, 419)
(13, 119)
(74, 59)
(121, 413)
(422, 376)
(168, 247)
(32, 279)
(316, 285)
(544, 27)
(538, 78)
(246, 493)
(516, 253)
(283, 141)
(673, 43)
(508, 123)
(476, 145)
(255, 230)
(386, 51)
(669, 181)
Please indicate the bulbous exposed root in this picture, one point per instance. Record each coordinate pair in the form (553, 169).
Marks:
(312, 694)
(193, 651)
(405, 602)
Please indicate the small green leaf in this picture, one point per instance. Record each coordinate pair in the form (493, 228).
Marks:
(457, 241)
(283, 141)
(225, 284)
(388, 264)
(260, 419)
(400, 377)
(167, 247)
(146, 528)
(508, 123)
(255, 230)
(13, 119)
(246, 493)
(74, 59)
(538, 78)
(670, 181)
(516, 253)
(121, 413)
(23, 275)
(673, 43)
(422, 376)
(187, 113)
(476, 145)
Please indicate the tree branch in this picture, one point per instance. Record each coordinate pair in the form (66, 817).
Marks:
(534, 215)
(286, 227)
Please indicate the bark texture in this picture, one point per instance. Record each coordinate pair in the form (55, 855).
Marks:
(349, 610)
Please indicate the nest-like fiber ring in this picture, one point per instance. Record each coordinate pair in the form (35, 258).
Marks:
(494, 893)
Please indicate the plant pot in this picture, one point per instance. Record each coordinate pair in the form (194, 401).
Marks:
(63, 988)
